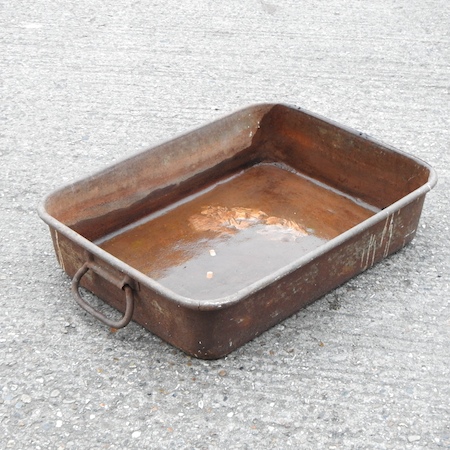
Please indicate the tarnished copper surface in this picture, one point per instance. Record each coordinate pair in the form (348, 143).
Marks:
(221, 233)
(255, 222)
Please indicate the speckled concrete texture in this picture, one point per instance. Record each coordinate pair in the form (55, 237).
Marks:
(85, 83)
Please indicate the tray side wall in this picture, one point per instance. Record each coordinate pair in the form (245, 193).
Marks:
(249, 318)
(158, 177)
(127, 191)
(213, 333)
(343, 159)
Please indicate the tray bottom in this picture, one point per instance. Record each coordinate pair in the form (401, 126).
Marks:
(236, 232)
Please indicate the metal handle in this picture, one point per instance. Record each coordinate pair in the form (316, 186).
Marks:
(125, 320)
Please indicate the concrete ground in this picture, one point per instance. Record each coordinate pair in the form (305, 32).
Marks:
(88, 82)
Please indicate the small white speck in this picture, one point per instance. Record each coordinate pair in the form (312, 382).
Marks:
(59, 423)
(200, 404)
(209, 275)
(25, 398)
(136, 434)
(230, 414)
(212, 252)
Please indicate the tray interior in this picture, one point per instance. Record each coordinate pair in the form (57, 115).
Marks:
(236, 231)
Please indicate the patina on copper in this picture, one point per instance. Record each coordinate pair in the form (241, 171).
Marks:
(213, 237)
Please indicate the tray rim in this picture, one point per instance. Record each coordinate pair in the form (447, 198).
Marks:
(239, 295)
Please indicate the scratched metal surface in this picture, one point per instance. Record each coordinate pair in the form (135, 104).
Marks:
(85, 83)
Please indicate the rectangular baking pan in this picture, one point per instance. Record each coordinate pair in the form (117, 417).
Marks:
(213, 237)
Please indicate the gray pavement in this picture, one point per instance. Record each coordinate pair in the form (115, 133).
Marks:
(88, 82)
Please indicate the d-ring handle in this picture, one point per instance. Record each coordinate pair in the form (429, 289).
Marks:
(129, 308)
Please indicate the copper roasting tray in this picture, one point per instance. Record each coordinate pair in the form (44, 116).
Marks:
(213, 237)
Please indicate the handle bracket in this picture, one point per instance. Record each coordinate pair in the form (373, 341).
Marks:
(123, 284)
